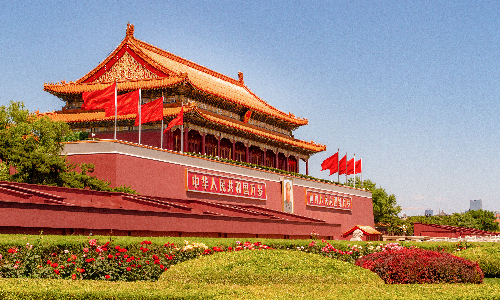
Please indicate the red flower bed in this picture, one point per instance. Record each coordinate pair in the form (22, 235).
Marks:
(421, 266)
(105, 262)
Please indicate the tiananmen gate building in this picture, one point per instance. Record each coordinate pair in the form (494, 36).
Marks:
(236, 176)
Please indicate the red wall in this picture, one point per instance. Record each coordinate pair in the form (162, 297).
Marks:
(163, 179)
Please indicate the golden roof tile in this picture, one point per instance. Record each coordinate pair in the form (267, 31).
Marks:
(94, 116)
(171, 70)
(77, 88)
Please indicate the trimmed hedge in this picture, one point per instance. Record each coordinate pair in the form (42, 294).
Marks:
(421, 266)
(486, 255)
(263, 267)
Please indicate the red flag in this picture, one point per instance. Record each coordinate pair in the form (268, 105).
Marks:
(358, 167)
(150, 112)
(127, 104)
(99, 99)
(342, 165)
(246, 118)
(331, 163)
(177, 120)
(350, 167)
(327, 163)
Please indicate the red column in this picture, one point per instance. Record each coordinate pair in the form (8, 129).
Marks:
(186, 139)
(234, 150)
(218, 146)
(297, 160)
(264, 157)
(203, 152)
(287, 163)
(247, 154)
(276, 161)
(307, 167)
(170, 135)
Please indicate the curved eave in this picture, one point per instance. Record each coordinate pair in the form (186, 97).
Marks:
(96, 116)
(78, 88)
(82, 116)
(309, 146)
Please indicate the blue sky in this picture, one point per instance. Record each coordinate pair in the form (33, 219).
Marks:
(411, 87)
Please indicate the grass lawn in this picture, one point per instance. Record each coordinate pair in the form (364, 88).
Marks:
(64, 289)
(250, 275)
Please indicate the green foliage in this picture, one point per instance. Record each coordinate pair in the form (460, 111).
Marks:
(385, 208)
(267, 267)
(76, 136)
(478, 219)
(32, 146)
(486, 255)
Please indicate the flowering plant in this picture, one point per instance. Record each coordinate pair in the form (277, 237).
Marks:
(349, 253)
(105, 261)
(421, 266)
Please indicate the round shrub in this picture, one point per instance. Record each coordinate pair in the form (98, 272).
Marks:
(421, 266)
(261, 267)
(487, 256)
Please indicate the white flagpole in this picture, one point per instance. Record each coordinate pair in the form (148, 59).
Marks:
(161, 132)
(182, 132)
(361, 163)
(338, 165)
(182, 137)
(346, 168)
(354, 165)
(116, 106)
(140, 115)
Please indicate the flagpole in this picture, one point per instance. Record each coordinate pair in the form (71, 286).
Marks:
(354, 165)
(361, 163)
(338, 166)
(140, 115)
(182, 137)
(116, 107)
(161, 132)
(346, 168)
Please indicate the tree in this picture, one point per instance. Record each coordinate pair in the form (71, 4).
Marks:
(31, 145)
(30, 151)
(478, 219)
(385, 208)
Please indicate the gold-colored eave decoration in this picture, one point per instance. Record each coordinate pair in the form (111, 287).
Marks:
(272, 136)
(74, 88)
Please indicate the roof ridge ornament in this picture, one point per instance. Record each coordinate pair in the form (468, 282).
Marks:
(130, 30)
(240, 78)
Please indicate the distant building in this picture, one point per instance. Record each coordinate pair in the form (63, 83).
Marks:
(476, 204)
(442, 214)
(429, 212)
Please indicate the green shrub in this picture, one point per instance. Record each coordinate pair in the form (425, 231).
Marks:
(421, 266)
(267, 267)
(487, 256)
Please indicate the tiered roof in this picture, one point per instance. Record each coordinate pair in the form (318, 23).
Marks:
(155, 68)
(135, 64)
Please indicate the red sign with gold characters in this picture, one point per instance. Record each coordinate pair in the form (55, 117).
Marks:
(328, 200)
(224, 185)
